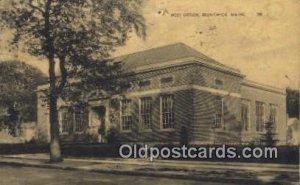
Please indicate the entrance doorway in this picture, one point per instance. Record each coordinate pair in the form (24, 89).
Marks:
(100, 112)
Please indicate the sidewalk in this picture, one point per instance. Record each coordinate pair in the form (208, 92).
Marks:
(241, 173)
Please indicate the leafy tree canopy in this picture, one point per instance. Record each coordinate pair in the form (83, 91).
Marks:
(76, 35)
(76, 32)
(18, 82)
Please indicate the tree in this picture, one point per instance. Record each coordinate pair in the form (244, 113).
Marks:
(268, 138)
(19, 82)
(292, 102)
(74, 34)
(113, 136)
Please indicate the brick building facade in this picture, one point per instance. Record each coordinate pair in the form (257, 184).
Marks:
(179, 89)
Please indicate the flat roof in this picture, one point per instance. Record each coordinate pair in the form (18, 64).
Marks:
(262, 86)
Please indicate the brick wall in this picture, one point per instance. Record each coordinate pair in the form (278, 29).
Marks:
(182, 116)
(206, 77)
(203, 129)
(182, 102)
(194, 107)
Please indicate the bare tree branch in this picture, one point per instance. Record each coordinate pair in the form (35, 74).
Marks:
(35, 7)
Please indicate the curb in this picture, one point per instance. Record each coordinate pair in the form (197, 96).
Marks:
(204, 165)
(139, 173)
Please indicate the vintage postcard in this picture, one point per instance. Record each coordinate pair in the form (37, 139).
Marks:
(149, 91)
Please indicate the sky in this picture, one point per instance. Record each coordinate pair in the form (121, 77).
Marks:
(263, 41)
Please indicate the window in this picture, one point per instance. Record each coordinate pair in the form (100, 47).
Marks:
(273, 115)
(166, 80)
(67, 117)
(144, 83)
(260, 113)
(218, 84)
(167, 111)
(73, 119)
(126, 115)
(145, 113)
(219, 112)
(245, 114)
(80, 117)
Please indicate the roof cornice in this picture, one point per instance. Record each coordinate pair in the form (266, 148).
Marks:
(187, 61)
(265, 87)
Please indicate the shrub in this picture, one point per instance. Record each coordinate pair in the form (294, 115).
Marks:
(113, 136)
(91, 138)
(268, 138)
(41, 137)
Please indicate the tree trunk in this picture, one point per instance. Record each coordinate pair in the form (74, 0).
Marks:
(55, 150)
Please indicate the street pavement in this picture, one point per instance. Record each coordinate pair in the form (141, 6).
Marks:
(217, 172)
(43, 176)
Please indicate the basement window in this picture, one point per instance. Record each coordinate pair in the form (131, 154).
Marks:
(166, 80)
(144, 83)
(219, 84)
